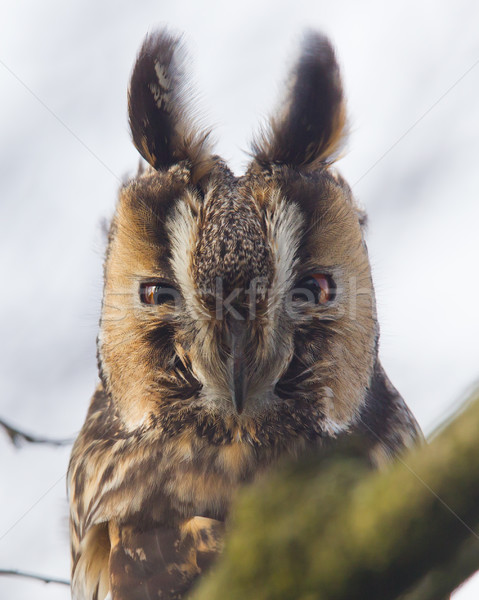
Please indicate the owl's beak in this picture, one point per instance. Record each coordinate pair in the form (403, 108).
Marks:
(237, 364)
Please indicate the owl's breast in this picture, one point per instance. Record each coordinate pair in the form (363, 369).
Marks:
(202, 478)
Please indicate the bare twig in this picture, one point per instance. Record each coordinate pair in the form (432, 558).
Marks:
(44, 578)
(17, 437)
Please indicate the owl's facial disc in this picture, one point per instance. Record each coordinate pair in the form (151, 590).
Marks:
(248, 296)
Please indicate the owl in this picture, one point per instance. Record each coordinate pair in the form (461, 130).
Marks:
(238, 328)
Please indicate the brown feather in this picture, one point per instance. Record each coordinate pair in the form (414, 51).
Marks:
(142, 562)
(161, 119)
(310, 127)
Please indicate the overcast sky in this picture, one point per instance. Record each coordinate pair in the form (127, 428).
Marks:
(412, 80)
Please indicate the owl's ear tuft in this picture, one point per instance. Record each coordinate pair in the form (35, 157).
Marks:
(161, 121)
(310, 127)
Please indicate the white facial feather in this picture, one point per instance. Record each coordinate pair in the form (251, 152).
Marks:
(284, 225)
(182, 228)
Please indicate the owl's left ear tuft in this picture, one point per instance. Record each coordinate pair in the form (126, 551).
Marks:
(310, 127)
(162, 122)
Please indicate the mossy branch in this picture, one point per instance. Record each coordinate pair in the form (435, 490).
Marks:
(328, 528)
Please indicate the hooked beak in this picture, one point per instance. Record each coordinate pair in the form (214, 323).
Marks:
(237, 365)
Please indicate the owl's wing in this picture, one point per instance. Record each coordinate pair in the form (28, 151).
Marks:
(161, 562)
(386, 420)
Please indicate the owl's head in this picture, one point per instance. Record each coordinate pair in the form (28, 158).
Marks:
(237, 297)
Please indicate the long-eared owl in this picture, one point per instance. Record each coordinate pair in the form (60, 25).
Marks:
(238, 326)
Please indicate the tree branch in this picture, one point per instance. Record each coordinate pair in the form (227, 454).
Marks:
(17, 437)
(45, 579)
(435, 584)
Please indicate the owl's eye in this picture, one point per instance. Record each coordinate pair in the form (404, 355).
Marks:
(157, 293)
(317, 288)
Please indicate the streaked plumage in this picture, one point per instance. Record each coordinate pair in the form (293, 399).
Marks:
(224, 364)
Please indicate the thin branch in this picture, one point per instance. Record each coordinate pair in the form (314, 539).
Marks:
(44, 578)
(17, 437)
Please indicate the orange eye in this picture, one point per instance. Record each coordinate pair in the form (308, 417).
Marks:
(317, 288)
(157, 293)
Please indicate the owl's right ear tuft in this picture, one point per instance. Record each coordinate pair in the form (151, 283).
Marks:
(161, 122)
